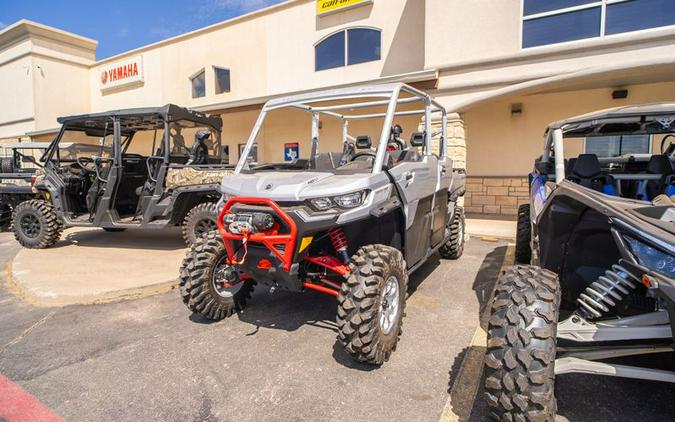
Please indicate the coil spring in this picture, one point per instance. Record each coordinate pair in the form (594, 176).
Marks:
(339, 241)
(607, 291)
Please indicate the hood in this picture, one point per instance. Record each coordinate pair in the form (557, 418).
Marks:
(298, 185)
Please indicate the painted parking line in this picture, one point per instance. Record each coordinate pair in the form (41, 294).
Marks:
(17, 405)
(463, 392)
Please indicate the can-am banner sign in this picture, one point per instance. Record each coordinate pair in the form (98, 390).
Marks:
(122, 73)
(324, 7)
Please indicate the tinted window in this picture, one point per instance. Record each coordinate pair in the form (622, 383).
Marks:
(330, 52)
(532, 7)
(639, 14)
(615, 146)
(199, 85)
(364, 45)
(222, 80)
(560, 28)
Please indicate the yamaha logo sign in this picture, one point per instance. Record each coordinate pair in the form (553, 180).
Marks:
(122, 74)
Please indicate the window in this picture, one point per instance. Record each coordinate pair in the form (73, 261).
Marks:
(347, 47)
(554, 21)
(635, 15)
(330, 52)
(198, 84)
(616, 146)
(363, 45)
(252, 156)
(222, 77)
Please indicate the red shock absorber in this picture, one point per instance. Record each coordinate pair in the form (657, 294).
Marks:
(339, 241)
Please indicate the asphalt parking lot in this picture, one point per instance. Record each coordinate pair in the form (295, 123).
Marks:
(150, 359)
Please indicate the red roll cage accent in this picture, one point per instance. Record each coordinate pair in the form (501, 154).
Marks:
(270, 239)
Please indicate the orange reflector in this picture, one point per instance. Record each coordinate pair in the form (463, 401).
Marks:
(646, 281)
(264, 264)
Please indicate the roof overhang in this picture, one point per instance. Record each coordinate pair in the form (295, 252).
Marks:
(25, 28)
(609, 76)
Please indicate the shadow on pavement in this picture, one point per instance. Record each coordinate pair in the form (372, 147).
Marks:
(467, 366)
(289, 311)
(165, 240)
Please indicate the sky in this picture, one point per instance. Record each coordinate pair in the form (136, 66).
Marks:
(121, 25)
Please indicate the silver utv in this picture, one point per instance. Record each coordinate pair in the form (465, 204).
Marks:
(351, 223)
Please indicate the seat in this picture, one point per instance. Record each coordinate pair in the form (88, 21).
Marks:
(586, 171)
(649, 189)
(199, 153)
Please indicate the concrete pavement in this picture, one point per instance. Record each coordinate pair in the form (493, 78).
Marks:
(89, 265)
(150, 359)
(488, 228)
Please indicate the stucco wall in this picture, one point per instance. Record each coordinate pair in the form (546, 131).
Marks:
(16, 91)
(461, 30)
(502, 144)
(269, 54)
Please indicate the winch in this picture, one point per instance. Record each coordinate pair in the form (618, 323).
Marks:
(256, 222)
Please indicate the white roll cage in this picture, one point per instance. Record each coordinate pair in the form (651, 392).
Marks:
(390, 95)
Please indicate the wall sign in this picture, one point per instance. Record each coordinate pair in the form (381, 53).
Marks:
(291, 151)
(324, 7)
(122, 73)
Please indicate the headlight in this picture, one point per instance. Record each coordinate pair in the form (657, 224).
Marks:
(351, 200)
(652, 258)
(347, 201)
(321, 204)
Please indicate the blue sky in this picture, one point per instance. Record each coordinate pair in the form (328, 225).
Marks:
(121, 25)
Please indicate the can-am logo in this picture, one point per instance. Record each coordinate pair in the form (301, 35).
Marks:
(122, 73)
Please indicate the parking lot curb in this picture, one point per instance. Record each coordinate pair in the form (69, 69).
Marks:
(464, 389)
(14, 285)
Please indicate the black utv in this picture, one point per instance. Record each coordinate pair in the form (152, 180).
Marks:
(17, 170)
(135, 168)
(596, 278)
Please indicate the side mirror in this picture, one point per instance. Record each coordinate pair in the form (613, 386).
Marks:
(417, 139)
(363, 142)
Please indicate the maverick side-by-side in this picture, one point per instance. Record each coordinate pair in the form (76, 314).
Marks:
(352, 224)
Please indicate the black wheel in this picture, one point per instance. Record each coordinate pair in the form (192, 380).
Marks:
(113, 229)
(6, 165)
(454, 248)
(523, 235)
(521, 347)
(35, 224)
(371, 304)
(199, 221)
(208, 285)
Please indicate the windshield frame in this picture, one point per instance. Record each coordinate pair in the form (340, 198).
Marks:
(382, 95)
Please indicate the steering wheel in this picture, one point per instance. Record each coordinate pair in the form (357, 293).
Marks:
(83, 162)
(363, 154)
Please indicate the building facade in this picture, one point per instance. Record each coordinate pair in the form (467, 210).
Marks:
(505, 69)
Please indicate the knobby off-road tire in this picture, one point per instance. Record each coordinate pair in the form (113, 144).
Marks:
(199, 221)
(454, 248)
(523, 235)
(521, 347)
(365, 297)
(197, 287)
(35, 224)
